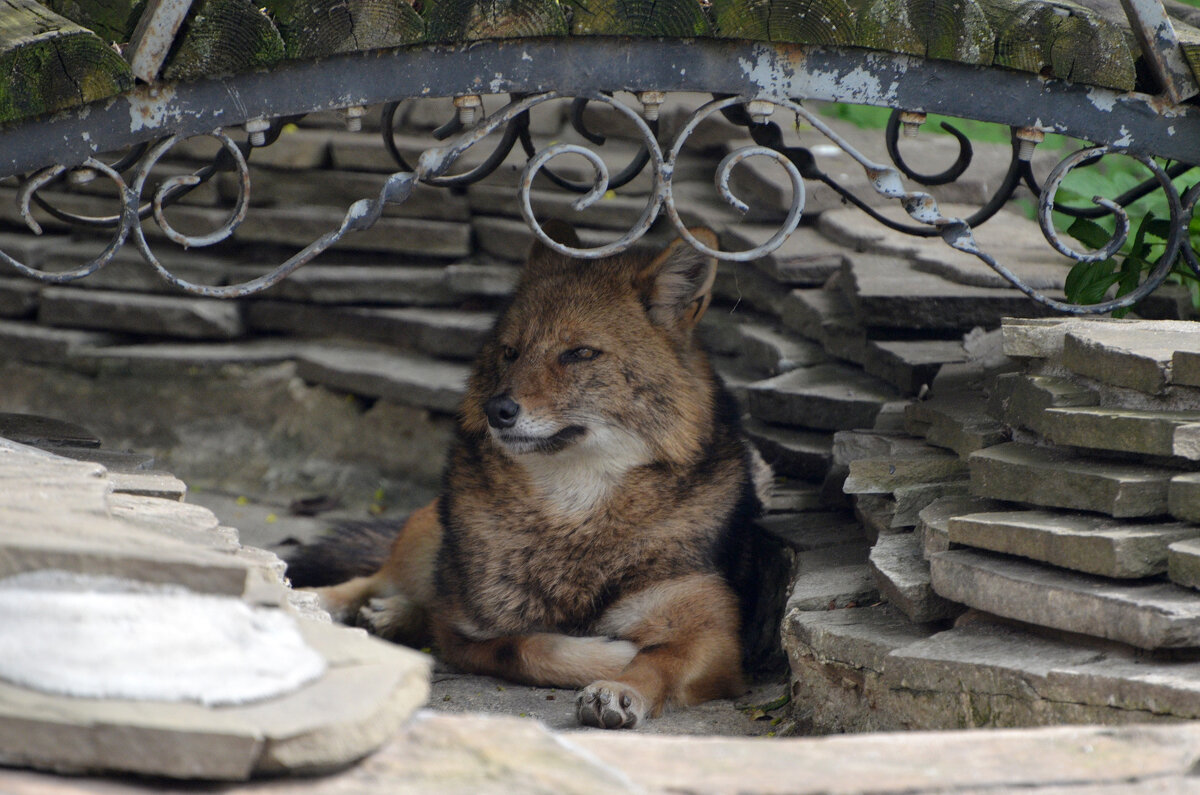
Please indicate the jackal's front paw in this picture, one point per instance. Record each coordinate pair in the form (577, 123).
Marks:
(610, 705)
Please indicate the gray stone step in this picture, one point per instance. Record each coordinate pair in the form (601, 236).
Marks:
(933, 521)
(510, 239)
(1161, 433)
(1183, 497)
(1056, 478)
(808, 530)
(955, 420)
(1136, 355)
(773, 353)
(410, 380)
(1183, 563)
(741, 284)
(167, 316)
(169, 357)
(790, 452)
(1149, 615)
(910, 364)
(887, 292)
(485, 278)
(902, 574)
(1021, 398)
(1081, 542)
(911, 500)
(613, 212)
(850, 446)
(794, 496)
(876, 513)
(824, 397)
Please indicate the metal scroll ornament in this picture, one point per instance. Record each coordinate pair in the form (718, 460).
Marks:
(436, 166)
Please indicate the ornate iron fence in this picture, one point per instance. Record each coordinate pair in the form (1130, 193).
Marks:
(751, 84)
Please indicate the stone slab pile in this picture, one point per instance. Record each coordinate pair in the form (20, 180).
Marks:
(96, 544)
(1059, 584)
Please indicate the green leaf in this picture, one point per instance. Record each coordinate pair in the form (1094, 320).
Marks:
(1088, 282)
(1089, 233)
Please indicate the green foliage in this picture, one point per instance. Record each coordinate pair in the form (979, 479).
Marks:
(1088, 282)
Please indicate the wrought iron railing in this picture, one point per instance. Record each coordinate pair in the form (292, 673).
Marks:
(1128, 124)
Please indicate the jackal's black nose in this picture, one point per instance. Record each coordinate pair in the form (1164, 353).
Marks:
(502, 411)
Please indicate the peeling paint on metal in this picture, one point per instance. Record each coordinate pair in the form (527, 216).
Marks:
(152, 108)
(1125, 140)
(1102, 100)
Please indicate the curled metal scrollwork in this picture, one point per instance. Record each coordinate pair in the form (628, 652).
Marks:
(435, 166)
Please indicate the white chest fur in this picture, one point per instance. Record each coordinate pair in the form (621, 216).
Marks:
(579, 479)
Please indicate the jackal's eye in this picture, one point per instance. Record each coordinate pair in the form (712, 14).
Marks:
(582, 354)
(509, 353)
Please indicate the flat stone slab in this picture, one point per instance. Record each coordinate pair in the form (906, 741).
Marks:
(825, 397)
(955, 420)
(1044, 337)
(368, 691)
(148, 484)
(833, 588)
(1183, 497)
(806, 259)
(1183, 563)
(365, 284)
(45, 432)
(1137, 356)
(902, 574)
(791, 452)
(911, 500)
(910, 364)
(773, 353)
(888, 292)
(161, 315)
(1056, 478)
(933, 521)
(1149, 615)
(812, 530)
(405, 379)
(1162, 433)
(1087, 543)
(1185, 368)
(486, 279)
(1021, 399)
(825, 316)
(30, 343)
(158, 357)
(849, 446)
(886, 474)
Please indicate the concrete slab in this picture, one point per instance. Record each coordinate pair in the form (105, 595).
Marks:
(791, 452)
(1183, 497)
(1137, 356)
(167, 316)
(957, 421)
(824, 397)
(405, 379)
(1161, 433)
(933, 521)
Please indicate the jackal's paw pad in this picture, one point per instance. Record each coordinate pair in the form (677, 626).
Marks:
(610, 705)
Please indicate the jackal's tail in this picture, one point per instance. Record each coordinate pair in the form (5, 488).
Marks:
(349, 549)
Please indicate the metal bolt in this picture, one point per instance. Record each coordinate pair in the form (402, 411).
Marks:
(1029, 138)
(759, 110)
(651, 103)
(257, 128)
(354, 117)
(81, 176)
(911, 121)
(468, 107)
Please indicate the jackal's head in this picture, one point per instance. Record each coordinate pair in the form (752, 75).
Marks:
(597, 358)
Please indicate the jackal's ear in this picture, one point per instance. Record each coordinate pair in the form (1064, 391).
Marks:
(542, 256)
(677, 285)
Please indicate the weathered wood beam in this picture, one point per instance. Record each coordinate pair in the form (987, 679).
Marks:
(313, 28)
(111, 20)
(472, 20)
(224, 37)
(683, 18)
(49, 62)
(828, 22)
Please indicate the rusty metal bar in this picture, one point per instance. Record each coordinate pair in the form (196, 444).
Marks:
(1160, 45)
(1134, 122)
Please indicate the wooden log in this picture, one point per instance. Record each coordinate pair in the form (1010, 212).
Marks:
(312, 28)
(48, 63)
(224, 37)
(111, 20)
(677, 18)
(884, 25)
(1060, 39)
(828, 22)
(471, 20)
(953, 30)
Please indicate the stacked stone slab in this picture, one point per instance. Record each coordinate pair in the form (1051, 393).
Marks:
(72, 525)
(1071, 560)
